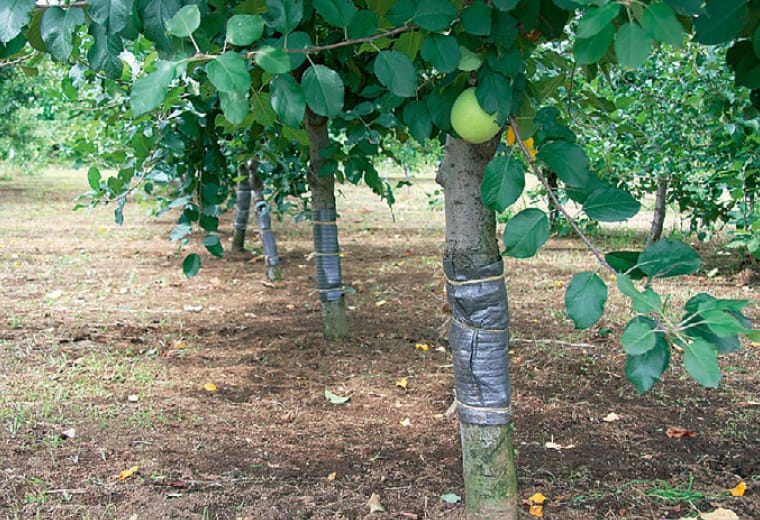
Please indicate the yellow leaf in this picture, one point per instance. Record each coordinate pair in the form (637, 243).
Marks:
(537, 499)
(125, 474)
(179, 344)
(536, 511)
(332, 475)
(403, 383)
(559, 284)
(422, 346)
(210, 387)
(738, 490)
(405, 422)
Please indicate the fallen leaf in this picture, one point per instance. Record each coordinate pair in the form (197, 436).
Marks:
(410, 516)
(611, 417)
(374, 504)
(402, 383)
(210, 387)
(405, 422)
(738, 490)
(719, 514)
(536, 511)
(422, 346)
(68, 434)
(133, 398)
(537, 499)
(554, 446)
(125, 474)
(677, 433)
(332, 475)
(54, 295)
(335, 398)
(451, 498)
(180, 344)
(192, 308)
(380, 303)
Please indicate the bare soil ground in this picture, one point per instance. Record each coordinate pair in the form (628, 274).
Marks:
(101, 335)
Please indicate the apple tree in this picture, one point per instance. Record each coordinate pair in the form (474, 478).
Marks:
(336, 75)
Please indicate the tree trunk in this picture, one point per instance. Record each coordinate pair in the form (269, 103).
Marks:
(554, 214)
(274, 272)
(479, 336)
(660, 208)
(243, 207)
(325, 228)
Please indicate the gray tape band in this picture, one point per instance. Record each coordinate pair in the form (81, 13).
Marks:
(479, 340)
(267, 237)
(243, 205)
(329, 276)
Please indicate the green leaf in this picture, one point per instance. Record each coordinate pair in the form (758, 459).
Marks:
(701, 362)
(396, 72)
(505, 5)
(324, 90)
(494, 94)
(644, 370)
(468, 61)
(660, 22)
(149, 92)
(114, 15)
(274, 61)
(639, 336)
(179, 232)
(625, 262)
(58, 26)
(591, 50)
(610, 205)
(503, 182)
(288, 101)
(686, 7)
(720, 21)
(261, 108)
(104, 52)
(585, 298)
(409, 43)
(669, 258)
(155, 14)
(568, 160)
(244, 29)
(596, 19)
(191, 265)
(93, 178)
(721, 323)
(418, 121)
(14, 15)
(337, 13)
(643, 302)
(229, 73)
(235, 106)
(525, 233)
(434, 15)
(756, 42)
(286, 14)
(184, 22)
(335, 398)
(441, 51)
(214, 245)
(363, 24)
(476, 19)
(632, 45)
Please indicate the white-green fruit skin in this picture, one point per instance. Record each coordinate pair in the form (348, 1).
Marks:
(471, 122)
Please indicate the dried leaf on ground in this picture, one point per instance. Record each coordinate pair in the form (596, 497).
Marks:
(405, 422)
(210, 387)
(422, 346)
(536, 511)
(611, 417)
(125, 474)
(719, 514)
(451, 498)
(738, 490)
(374, 504)
(537, 499)
(551, 445)
(335, 398)
(332, 475)
(402, 383)
(677, 433)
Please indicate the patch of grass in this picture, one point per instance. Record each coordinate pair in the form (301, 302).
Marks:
(665, 492)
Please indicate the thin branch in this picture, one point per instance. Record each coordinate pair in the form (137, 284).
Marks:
(553, 196)
(72, 5)
(22, 59)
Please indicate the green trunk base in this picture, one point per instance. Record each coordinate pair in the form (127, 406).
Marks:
(334, 321)
(274, 273)
(490, 473)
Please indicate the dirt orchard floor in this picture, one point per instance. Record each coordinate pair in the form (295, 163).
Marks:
(101, 335)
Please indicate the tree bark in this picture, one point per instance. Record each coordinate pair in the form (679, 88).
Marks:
(264, 218)
(479, 334)
(325, 228)
(660, 209)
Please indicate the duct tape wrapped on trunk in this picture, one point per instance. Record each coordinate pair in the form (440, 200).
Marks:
(329, 277)
(479, 339)
(267, 237)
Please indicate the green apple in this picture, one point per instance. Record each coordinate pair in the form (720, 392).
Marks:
(471, 122)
